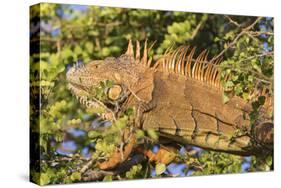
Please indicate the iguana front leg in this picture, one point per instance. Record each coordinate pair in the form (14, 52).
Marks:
(129, 139)
(141, 109)
(122, 153)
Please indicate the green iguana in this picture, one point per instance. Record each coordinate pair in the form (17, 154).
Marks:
(178, 96)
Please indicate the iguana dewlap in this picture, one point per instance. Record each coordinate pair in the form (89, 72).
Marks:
(178, 96)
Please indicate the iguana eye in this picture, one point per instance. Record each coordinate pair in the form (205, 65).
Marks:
(114, 92)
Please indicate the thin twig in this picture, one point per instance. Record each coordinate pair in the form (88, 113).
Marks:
(87, 166)
(66, 159)
(246, 29)
(232, 21)
(197, 29)
(257, 56)
(258, 76)
(257, 33)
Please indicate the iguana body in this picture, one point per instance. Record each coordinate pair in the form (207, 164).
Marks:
(177, 96)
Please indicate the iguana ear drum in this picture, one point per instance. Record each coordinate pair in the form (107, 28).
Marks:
(114, 92)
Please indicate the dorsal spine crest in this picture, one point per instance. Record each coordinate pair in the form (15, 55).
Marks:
(180, 61)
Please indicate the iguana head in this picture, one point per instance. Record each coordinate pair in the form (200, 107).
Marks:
(111, 81)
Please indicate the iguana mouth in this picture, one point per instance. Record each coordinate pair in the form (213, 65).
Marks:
(77, 86)
(84, 97)
(78, 90)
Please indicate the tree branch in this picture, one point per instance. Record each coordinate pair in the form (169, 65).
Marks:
(87, 166)
(244, 30)
(93, 175)
(258, 33)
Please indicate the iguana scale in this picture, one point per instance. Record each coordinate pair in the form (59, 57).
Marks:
(176, 95)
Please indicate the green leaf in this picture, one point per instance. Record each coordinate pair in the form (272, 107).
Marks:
(216, 39)
(133, 172)
(44, 179)
(94, 134)
(225, 98)
(247, 40)
(109, 83)
(152, 134)
(250, 78)
(102, 84)
(261, 100)
(229, 35)
(160, 168)
(89, 47)
(229, 84)
(75, 176)
(130, 111)
(245, 96)
(139, 134)
(238, 89)
(66, 53)
(255, 105)
(269, 160)
(54, 59)
(225, 45)
(234, 78)
(105, 51)
(121, 122)
(42, 65)
(77, 50)
(107, 178)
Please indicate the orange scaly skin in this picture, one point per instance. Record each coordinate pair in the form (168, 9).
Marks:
(178, 97)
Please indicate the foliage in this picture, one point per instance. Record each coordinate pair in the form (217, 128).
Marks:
(72, 34)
